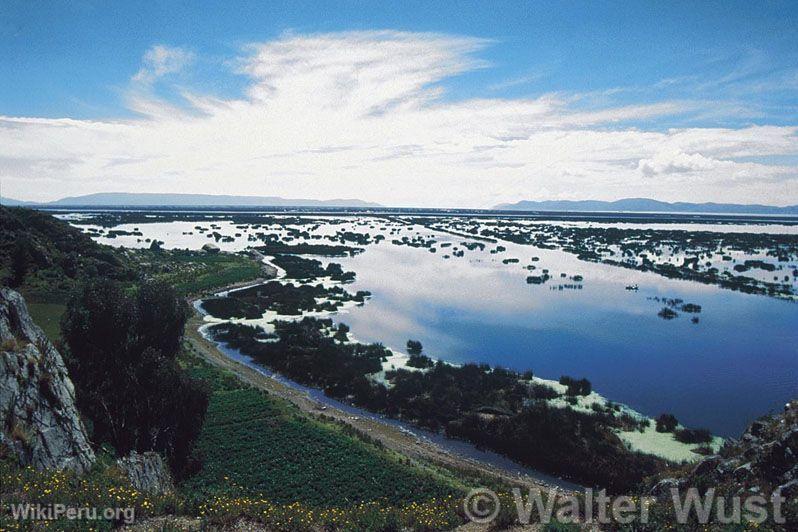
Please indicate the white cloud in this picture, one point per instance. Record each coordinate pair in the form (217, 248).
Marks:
(161, 60)
(363, 114)
(678, 162)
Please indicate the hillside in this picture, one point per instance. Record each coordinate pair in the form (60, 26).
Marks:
(646, 205)
(761, 462)
(124, 199)
(46, 258)
(257, 456)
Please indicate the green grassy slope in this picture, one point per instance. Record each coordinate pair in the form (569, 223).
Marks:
(253, 444)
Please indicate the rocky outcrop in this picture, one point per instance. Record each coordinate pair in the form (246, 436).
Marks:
(764, 459)
(39, 422)
(147, 472)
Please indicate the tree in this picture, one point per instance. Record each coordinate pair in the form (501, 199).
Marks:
(161, 318)
(341, 332)
(121, 352)
(576, 387)
(414, 347)
(20, 259)
(667, 423)
(420, 361)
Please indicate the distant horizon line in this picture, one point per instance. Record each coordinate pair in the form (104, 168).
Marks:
(227, 201)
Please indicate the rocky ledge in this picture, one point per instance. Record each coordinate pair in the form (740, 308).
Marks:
(147, 472)
(763, 460)
(39, 422)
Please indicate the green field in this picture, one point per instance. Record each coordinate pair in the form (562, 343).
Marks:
(48, 317)
(189, 272)
(253, 444)
(192, 272)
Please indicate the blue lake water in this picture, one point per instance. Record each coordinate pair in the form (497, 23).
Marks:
(739, 362)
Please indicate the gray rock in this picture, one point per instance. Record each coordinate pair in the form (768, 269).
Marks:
(743, 472)
(726, 467)
(788, 489)
(749, 439)
(39, 422)
(663, 488)
(790, 440)
(706, 465)
(147, 472)
(757, 429)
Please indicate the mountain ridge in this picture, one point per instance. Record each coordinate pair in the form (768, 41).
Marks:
(132, 199)
(642, 205)
(645, 205)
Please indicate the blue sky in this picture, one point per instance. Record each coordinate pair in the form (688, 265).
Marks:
(692, 66)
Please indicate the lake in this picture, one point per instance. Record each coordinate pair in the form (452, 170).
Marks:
(738, 362)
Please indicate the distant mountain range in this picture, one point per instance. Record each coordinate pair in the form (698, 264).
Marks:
(645, 205)
(124, 199)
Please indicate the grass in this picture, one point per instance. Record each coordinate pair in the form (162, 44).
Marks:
(104, 486)
(48, 317)
(189, 272)
(192, 272)
(255, 445)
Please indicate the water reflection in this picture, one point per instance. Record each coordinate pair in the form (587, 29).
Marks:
(738, 362)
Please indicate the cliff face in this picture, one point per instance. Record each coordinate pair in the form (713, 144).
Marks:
(147, 472)
(763, 460)
(38, 418)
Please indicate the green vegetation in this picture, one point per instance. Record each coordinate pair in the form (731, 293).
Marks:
(414, 347)
(420, 361)
(692, 436)
(254, 444)
(417, 359)
(667, 423)
(300, 268)
(120, 351)
(283, 298)
(46, 259)
(48, 317)
(649, 249)
(667, 313)
(280, 248)
(491, 407)
(230, 307)
(195, 272)
(576, 386)
(105, 486)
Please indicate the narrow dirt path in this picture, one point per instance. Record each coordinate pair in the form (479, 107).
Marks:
(391, 437)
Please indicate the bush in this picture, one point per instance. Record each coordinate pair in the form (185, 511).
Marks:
(104, 486)
(414, 347)
(120, 350)
(420, 361)
(541, 391)
(693, 435)
(667, 423)
(576, 387)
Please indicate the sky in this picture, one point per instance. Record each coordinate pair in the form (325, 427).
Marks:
(435, 104)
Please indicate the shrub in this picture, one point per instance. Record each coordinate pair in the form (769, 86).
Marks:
(420, 361)
(121, 356)
(667, 423)
(414, 347)
(693, 435)
(576, 387)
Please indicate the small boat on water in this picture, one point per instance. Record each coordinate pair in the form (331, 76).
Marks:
(632, 287)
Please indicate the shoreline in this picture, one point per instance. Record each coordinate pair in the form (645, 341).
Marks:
(648, 441)
(392, 436)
